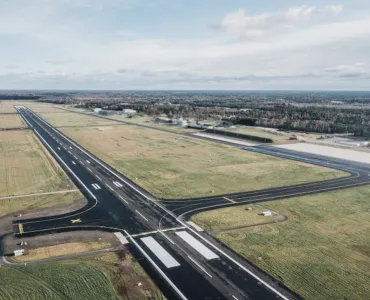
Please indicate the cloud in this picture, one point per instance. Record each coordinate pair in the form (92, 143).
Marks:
(242, 23)
(348, 71)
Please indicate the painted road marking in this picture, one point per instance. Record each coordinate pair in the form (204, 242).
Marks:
(159, 231)
(198, 246)
(121, 238)
(230, 200)
(75, 156)
(82, 163)
(160, 252)
(142, 216)
(96, 186)
(58, 148)
(234, 297)
(109, 187)
(76, 221)
(70, 147)
(73, 162)
(20, 227)
(123, 199)
(199, 266)
(89, 169)
(116, 183)
(98, 177)
(87, 161)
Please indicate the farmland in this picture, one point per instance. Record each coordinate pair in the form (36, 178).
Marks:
(176, 166)
(105, 276)
(321, 251)
(11, 121)
(26, 167)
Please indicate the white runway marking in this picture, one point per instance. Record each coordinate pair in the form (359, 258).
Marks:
(70, 147)
(98, 177)
(109, 187)
(198, 246)
(160, 252)
(73, 162)
(96, 186)
(117, 184)
(142, 216)
(123, 199)
(58, 148)
(199, 266)
(89, 169)
(87, 161)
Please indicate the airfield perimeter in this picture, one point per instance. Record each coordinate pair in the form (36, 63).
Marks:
(117, 204)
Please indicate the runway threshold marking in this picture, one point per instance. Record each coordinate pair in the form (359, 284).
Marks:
(20, 227)
(230, 200)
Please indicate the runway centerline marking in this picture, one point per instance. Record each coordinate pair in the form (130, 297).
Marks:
(142, 215)
(73, 162)
(123, 199)
(89, 169)
(230, 200)
(199, 266)
(87, 161)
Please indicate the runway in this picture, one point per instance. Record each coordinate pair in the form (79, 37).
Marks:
(185, 263)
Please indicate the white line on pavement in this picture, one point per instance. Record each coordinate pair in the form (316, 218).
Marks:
(142, 216)
(199, 266)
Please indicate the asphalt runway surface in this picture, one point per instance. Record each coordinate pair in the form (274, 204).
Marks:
(185, 263)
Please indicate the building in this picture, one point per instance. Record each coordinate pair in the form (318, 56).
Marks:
(128, 111)
(97, 110)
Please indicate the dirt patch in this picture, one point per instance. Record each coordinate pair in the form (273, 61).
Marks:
(11, 243)
(53, 211)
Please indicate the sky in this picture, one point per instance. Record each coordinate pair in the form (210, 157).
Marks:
(185, 44)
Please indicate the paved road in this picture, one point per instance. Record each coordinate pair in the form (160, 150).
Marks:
(179, 257)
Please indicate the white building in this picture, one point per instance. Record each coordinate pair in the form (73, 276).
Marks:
(97, 110)
(128, 111)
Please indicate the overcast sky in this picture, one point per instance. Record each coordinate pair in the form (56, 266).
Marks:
(185, 44)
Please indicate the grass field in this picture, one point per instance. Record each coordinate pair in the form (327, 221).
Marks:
(35, 202)
(61, 119)
(7, 107)
(323, 250)
(174, 166)
(104, 277)
(60, 250)
(26, 167)
(232, 217)
(11, 121)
